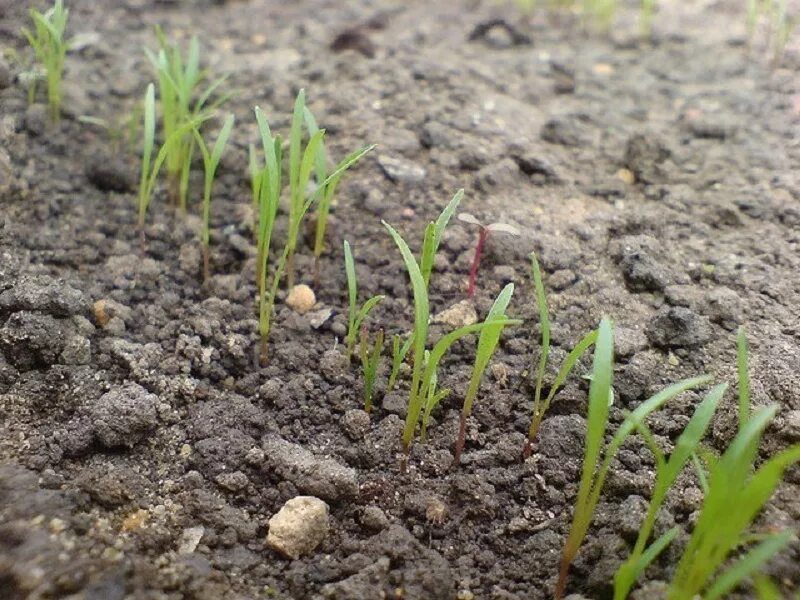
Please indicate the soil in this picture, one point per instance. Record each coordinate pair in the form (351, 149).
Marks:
(143, 453)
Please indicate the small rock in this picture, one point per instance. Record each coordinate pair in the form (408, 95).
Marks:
(108, 173)
(35, 119)
(105, 309)
(374, 519)
(43, 294)
(678, 327)
(645, 156)
(123, 415)
(30, 340)
(355, 424)
(190, 539)
(399, 170)
(234, 482)
(322, 477)
(77, 351)
(459, 315)
(298, 527)
(319, 317)
(301, 299)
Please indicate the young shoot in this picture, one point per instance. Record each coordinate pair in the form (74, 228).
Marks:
(735, 495)
(422, 370)
(483, 235)
(50, 48)
(326, 197)
(356, 315)
(370, 361)
(540, 405)
(182, 101)
(210, 163)
(399, 352)
(433, 399)
(668, 468)
(487, 343)
(269, 187)
(598, 456)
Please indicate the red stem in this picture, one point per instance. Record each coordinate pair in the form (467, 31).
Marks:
(460, 440)
(476, 261)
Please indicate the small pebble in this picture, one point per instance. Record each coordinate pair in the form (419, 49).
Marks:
(301, 299)
(298, 527)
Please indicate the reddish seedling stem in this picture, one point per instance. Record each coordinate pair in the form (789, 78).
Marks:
(462, 434)
(476, 261)
(262, 352)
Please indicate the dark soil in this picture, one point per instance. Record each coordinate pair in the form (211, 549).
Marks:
(143, 452)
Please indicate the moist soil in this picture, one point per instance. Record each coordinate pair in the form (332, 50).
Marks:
(143, 452)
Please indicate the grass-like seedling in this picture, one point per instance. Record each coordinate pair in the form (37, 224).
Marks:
(182, 101)
(370, 361)
(541, 405)
(483, 235)
(50, 48)
(356, 314)
(432, 400)
(267, 184)
(399, 352)
(597, 459)
(422, 370)
(487, 342)
(735, 494)
(667, 470)
(210, 163)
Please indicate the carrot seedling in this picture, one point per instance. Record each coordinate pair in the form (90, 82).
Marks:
(50, 48)
(487, 342)
(735, 494)
(597, 459)
(667, 470)
(422, 371)
(356, 315)
(210, 163)
(540, 406)
(178, 85)
(483, 235)
(370, 361)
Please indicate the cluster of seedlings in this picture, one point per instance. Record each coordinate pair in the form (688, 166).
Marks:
(721, 552)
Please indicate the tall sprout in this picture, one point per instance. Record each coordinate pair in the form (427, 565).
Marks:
(50, 48)
(356, 314)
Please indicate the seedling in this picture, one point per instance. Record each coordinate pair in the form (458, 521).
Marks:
(539, 406)
(121, 132)
(433, 399)
(210, 163)
(356, 315)
(422, 371)
(736, 493)
(594, 470)
(370, 360)
(47, 41)
(178, 85)
(483, 235)
(326, 195)
(667, 470)
(487, 342)
(268, 185)
(430, 246)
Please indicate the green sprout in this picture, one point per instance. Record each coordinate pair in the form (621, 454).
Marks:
(210, 163)
(267, 182)
(430, 245)
(326, 195)
(422, 371)
(487, 342)
(735, 494)
(122, 132)
(540, 406)
(178, 85)
(47, 41)
(433, 399)
(356, 315)
(667, 471)
(370, 361)
(594, 469)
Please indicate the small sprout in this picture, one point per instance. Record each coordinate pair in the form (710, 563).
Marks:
(210, 163)
(485, 230)
(540, 407)
(487, 342)
(422, 370)
(399, 353)
(356, 315)
(47, 41)
(327, 194)
(598, 456)
(736, 493)
(434, 398)
(178, 86)
(370, 361)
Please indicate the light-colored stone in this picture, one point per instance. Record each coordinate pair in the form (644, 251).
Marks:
(459, 315)
(301, 299)
(190, 539)
(299, 526)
